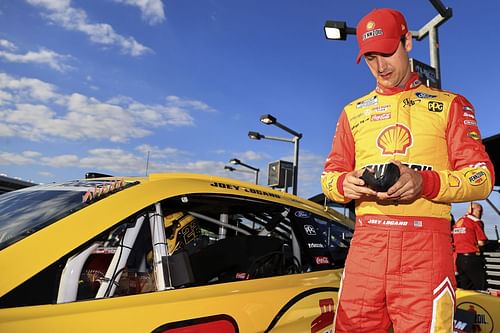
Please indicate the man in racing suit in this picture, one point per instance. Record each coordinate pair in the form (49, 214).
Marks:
(400, 270)
(468, 237)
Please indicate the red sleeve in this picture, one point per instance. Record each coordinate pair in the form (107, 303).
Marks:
(465, 148)
(340, 160)
(480, 235)
(341, 157)
(431, 183)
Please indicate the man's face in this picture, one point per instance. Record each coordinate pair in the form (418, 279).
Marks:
(477, 210)
(391, 70)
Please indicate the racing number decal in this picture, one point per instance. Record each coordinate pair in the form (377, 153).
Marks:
(324, 322)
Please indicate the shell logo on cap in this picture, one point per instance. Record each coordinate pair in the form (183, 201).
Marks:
(395, 139)
(370, 25)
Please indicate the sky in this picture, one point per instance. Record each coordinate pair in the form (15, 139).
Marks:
(129, 87)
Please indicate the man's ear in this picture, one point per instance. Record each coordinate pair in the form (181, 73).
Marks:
(408, 42)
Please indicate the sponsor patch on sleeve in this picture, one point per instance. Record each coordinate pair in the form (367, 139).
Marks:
(475, 178)
(470, 122)
(453, 181)
(474, 135)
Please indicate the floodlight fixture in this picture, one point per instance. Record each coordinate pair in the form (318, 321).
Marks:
(255, 135)
(337, 30)
(236, 161)
(268, 119)
(271, 120)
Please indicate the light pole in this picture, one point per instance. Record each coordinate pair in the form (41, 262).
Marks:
(338, 30)
(236, 161)
(270, 120)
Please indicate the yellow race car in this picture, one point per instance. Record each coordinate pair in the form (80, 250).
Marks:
(177, 253)
(167, 253)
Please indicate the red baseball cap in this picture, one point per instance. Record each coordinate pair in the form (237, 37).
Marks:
(380, 31)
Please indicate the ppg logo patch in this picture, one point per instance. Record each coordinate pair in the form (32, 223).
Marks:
(435, 106)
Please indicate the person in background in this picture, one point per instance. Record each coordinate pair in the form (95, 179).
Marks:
(399, 271)
(468, 238)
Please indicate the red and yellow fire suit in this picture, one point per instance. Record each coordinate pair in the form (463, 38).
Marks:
(400, 268)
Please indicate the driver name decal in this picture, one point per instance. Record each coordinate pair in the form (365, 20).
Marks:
(244, 189)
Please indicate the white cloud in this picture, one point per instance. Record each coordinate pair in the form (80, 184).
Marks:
(160, 115)
(5, 96)
(114, 160)
(46, 174)
(6, 131)
(7, 158)
(44, 56)
(61, 13)
(5, 44)
(251, 155)
(118, 161)
(201, 166)
(25, 89)
(310, 168)
(151, 10)
(60, 161)
(157, 152)
(176, 101)
(35, 110)
(31, 154)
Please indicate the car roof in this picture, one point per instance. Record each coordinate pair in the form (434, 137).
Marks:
(200, 183)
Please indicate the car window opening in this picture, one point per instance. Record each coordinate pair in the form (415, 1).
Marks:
(190, 241)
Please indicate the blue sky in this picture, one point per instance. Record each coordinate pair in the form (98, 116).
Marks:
(96, 85)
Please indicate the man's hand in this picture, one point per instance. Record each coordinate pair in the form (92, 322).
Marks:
(355, 187)
(407, 189)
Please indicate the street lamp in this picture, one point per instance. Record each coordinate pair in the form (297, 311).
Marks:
(270, 120)
(338, 30)
(236, 161)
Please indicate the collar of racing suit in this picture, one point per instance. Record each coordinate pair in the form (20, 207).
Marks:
(413, 82)
(473, 218)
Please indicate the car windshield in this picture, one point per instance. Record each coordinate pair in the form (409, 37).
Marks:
(25, 211)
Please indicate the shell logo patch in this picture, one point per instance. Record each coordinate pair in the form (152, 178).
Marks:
(395, 139)
(453, 181)
(475, 178)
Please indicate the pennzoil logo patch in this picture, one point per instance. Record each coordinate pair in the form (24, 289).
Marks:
(475, 178)
(483, 322)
